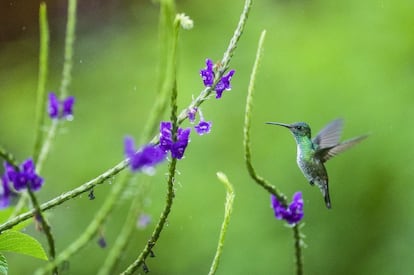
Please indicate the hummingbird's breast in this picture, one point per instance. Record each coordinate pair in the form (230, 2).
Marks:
(311, 167)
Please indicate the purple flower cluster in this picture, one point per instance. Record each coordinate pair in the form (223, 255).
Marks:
(208, 75)
(150, 155)
(292, 213)
(177, 148)
(21, 178)
(58, 109)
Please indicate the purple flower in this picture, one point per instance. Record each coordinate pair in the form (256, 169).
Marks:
(192, 114)
(4, 192)
(207, 74)
(293, 213)
(146, 158)
(143, 221)
(203, 127)
(59, 108)
(68, 106)
(166, 135)
(178, 147)
(53, 106)
(25, 176)
(224, 84)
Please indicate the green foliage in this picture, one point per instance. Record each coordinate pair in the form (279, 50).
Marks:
(17, 242)
(3, 265)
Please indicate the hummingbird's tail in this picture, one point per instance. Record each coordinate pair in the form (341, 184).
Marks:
(327, 199)
(325, 193)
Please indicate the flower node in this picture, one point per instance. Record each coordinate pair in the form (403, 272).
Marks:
(293, 213)
(60, 109)
(177, 148)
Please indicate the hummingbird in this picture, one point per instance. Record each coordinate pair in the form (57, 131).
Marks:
(313, 153)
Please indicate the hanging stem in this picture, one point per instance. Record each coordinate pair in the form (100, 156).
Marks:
(247, 121)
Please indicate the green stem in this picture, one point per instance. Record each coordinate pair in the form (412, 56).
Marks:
(247, 121)
(47, 144)
(298, 249)
(41, 83)
(170, 184)
(69, 42)
(166, 66)
(66, 79)
(91, 230)
(160, 225)
(228, 208)
(45, 226)
(167, 61)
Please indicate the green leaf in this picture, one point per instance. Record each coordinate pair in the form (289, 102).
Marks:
(3, 265)
(15, 241)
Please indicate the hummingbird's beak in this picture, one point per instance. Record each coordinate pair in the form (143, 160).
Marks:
(279, 124)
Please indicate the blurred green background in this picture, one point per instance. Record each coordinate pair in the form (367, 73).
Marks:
(322, 60)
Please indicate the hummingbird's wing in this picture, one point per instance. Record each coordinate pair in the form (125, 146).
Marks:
(327, 153)
(329, 136)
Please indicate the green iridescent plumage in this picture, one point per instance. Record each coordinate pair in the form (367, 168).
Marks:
(313, 153)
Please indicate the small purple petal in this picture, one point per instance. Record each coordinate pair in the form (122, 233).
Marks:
(53, 108)
(129, 148)
(10, 171)
(207, 74)
(178, 148)
(295, 209)
(224, 84)
(36, 182)
(4, 192)
(68, 107)
(20, 181)
(28, 166)
(278, 208)
(192, 114)
(147, 157)
(28, 170)
(166, 135)
(143, 221)
(203, 127)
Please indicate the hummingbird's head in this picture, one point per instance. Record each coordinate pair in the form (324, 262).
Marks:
(298, 129)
